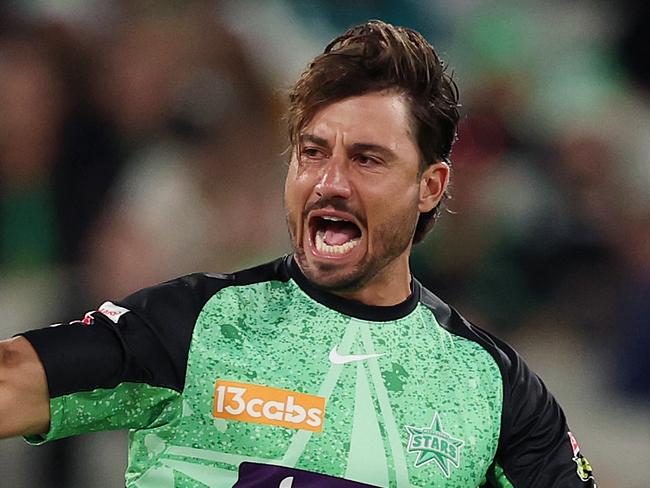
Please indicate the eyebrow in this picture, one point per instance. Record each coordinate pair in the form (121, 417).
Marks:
(306, 137)
(356, 147)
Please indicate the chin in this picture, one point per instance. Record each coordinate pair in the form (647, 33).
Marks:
(333, 277)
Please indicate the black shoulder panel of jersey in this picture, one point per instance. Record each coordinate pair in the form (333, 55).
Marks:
(143, 338)
(536, 449)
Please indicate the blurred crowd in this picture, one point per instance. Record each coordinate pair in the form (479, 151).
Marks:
(144, 140)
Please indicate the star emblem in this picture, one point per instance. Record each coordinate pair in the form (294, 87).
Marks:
(433, 444)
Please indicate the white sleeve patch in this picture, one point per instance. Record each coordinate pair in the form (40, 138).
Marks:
(112, 311)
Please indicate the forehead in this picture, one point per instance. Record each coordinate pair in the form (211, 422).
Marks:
(375, 118)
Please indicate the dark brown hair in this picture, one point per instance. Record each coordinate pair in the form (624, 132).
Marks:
(377, 56)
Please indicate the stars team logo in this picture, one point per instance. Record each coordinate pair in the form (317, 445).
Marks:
(433, 444)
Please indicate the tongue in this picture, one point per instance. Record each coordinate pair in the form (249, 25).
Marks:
(337, 234)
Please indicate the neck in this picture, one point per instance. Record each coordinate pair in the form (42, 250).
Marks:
(390, 286)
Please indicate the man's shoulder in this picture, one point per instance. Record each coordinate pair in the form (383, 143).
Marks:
(195, 289)
(455, 323)
(275, 270)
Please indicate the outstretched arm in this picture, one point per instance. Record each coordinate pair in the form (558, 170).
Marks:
(24, 399)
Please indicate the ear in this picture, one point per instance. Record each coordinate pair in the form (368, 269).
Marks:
(433, 183)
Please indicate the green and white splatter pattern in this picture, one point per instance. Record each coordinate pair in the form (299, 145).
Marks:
(273, 334)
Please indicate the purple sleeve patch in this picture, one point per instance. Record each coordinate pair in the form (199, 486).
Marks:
(253, 475)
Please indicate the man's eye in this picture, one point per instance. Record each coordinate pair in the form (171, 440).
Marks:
(311, 153)
(364, 160)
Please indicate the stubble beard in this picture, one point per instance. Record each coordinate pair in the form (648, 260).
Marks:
(388, 244)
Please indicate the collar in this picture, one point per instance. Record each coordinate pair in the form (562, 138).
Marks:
(353, 308)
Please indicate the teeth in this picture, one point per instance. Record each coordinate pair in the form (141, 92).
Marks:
(333, 219)
(322, 246)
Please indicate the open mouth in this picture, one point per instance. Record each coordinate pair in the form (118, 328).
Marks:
(333, 236)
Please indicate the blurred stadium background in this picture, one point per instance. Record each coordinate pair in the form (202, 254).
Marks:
(141, 140)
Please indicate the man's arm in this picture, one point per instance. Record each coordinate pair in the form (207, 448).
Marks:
(536, 448)
(24, 399)
(79, 377)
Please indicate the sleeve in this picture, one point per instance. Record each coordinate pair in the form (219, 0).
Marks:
(536, 448)
(123, 365)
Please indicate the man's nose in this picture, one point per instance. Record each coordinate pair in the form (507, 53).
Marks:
(334, 179)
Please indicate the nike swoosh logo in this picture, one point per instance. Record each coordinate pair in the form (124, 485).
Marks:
(337, 358)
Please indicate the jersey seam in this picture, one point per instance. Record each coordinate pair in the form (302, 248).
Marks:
(134, 382)
(500, 368)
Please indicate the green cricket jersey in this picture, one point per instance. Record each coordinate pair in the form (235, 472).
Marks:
(260, 379)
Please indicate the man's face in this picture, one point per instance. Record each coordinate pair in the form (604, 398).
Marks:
(354, 193)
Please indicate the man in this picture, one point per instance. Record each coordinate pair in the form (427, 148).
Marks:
(330, 367)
